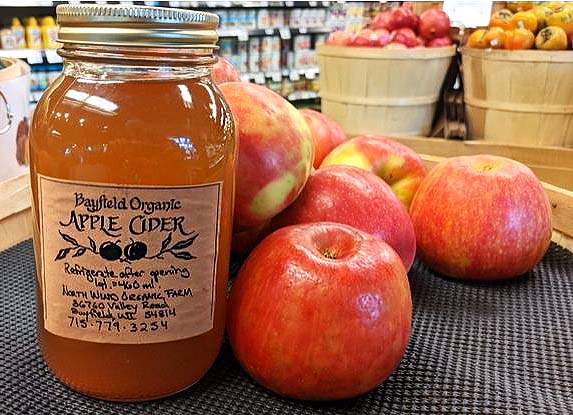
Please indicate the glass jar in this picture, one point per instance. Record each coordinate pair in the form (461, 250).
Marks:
(132, 171)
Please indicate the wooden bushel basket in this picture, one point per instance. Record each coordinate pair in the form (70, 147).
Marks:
(520, 97)
(382, 91)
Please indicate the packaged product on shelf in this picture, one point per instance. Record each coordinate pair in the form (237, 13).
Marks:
(255, 45)
(34, 79)
(227, 46)
(251, 19)
(301, 42)
(263, 19)
(303, 59)
(321, 17)
(290, 59)
(33, 34)
(7, 39)
(232, 19)
(254, 62)
(295, 17)
(275, 61)
(266, 44)
(265, 61)
(277, 18)
(223, 18)
(242, 62)
(18, 33)
(287, 87)
(53, 74)
(49, 30)
(242, 19)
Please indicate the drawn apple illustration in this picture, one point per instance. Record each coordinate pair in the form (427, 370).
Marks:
(110, 251)
(135, 251)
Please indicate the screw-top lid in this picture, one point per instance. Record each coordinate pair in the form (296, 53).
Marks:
(136, 26)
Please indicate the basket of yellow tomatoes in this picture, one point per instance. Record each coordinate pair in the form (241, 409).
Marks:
(518, 76)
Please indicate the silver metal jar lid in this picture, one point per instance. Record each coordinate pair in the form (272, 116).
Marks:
(136, 26)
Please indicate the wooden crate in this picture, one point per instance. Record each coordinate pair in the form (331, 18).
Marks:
(382, 91)
(553, 165)
(520, 97)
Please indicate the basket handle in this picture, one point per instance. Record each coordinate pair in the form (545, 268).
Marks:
(9, 114)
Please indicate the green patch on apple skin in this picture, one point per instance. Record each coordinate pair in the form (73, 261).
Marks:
(267, 201)
(307, 154)
(391, 165)
(405, 188)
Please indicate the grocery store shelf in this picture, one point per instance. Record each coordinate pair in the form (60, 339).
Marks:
(283, 32)
(32, 56)
(292, 74)
(302, 95)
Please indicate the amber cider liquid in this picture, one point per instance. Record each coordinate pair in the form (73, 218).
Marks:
(172, 131)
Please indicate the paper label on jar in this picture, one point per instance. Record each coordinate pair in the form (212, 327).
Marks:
(128, 264)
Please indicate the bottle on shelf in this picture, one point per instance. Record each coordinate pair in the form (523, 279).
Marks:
(49, 30)
(18, 33)
(33, 34)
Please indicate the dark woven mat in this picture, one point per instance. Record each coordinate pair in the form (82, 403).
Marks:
(501, 348)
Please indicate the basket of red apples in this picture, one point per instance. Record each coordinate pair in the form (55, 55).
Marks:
(386, 79)
(399, 28)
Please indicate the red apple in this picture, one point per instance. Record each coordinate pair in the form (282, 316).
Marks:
(384, 37)
(224, 71)
(365, 38)
(381, 21)
(481, 217)
(275, 152)
(406, 36)
(396, 164)
(434, 23)
(340, 38)
(320, 311)
(439, 42)
(355, 197)
(326, 134)
(403, 17)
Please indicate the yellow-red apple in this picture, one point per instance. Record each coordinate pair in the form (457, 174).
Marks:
(275, 152)
(397, 164)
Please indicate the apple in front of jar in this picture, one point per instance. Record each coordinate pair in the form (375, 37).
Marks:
(481, 217)
(224, 71)
(397, 164)
(275, 152)
(355, 197)
(326, 134)
(320, 311)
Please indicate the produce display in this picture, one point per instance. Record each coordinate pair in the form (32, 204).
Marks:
(548, 26)
(399, 28)
(321, 308)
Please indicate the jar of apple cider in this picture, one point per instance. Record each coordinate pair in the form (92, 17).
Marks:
(132, 171)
